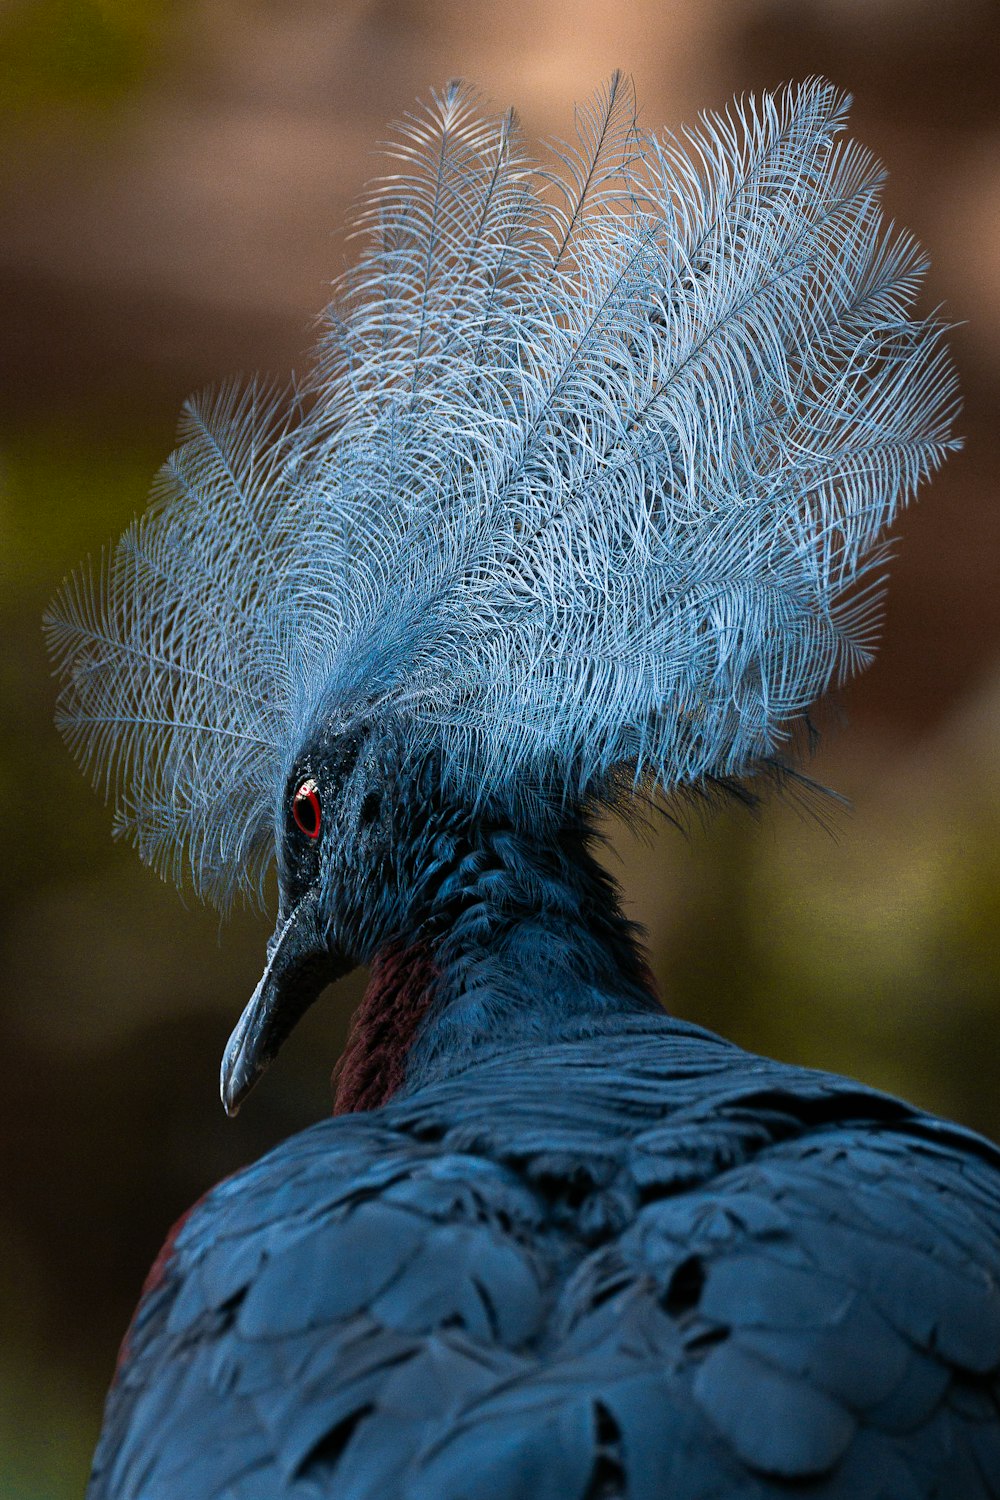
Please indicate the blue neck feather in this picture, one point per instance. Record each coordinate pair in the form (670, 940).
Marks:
(528, 943)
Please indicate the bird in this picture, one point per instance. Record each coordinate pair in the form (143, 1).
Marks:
(579, 509)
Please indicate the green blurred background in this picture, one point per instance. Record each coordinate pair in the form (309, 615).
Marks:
(174, 178)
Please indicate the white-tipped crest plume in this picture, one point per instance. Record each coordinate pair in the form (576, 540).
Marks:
(591, 474)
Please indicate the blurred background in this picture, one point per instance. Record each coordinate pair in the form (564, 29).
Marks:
(174, 177)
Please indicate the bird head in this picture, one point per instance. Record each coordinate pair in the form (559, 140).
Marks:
(349, 883)
(364, 835)
(587, 489)
(330, 841)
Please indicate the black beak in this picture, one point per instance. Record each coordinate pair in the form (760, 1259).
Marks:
(300, 965)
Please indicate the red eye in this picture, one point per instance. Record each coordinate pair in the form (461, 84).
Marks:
(305, 809)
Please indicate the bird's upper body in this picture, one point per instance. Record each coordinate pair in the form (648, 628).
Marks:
(585, 495)
(583, 1249)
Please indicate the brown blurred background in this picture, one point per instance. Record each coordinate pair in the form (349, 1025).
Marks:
(174, 179)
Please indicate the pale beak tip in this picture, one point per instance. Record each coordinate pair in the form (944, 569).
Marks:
(230, 1103)
(238, 1075)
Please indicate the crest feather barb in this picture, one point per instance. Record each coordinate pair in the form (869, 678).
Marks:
(591, 474)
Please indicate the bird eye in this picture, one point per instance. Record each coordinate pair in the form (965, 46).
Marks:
(306, 809)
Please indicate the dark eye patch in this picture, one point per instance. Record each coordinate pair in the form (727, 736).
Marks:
(371, 807)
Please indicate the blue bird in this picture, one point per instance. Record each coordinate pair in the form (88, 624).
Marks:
(583, 501)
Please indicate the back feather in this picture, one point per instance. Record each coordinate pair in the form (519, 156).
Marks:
(590, 476)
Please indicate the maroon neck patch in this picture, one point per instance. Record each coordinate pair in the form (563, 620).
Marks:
(373, 1065)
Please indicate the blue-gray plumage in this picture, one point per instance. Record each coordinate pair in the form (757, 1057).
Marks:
(585, 495)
